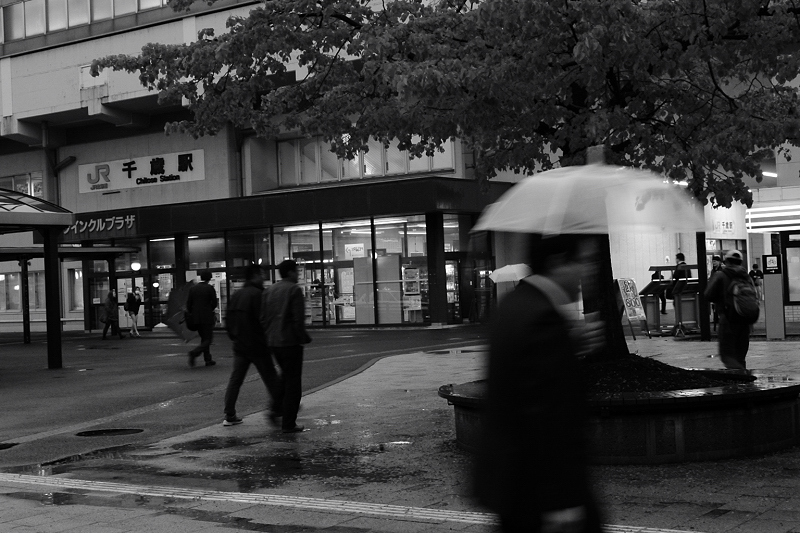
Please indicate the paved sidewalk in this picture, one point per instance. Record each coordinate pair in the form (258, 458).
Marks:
(379, 455)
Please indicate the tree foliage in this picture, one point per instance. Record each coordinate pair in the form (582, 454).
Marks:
(697, 89)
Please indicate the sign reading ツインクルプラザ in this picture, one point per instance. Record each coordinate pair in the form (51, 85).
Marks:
(144, 171)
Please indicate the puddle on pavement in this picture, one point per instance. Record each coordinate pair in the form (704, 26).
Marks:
(215, 443)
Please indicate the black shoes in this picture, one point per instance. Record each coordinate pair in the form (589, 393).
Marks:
(274, 419)
(210, 363)
(295, 429)
(235, 421)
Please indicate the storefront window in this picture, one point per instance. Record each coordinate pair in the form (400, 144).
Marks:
(206, 252)
(349, 242)
(451, 234)
(36, 297)
(128, 261)
(12, 291)
(162, 253)
(75, 285)
(247, 247)
(793, 273)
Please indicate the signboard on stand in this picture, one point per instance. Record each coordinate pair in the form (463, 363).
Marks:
(633, 304)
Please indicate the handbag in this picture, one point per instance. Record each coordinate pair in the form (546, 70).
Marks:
(103, 315)
(190, 323)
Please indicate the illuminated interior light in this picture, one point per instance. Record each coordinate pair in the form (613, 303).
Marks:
(769, 174)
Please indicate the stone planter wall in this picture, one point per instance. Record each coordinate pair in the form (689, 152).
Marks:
(674, 426)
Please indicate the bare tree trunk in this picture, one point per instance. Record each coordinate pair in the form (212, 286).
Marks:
(599, 296)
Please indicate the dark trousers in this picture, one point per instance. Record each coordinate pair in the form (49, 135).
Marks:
(206, 333)
(266, 369)
(290, 360)
(734, 342)
(114, 325)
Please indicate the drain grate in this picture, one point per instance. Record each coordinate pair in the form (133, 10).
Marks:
(109, 432)
(7, 445)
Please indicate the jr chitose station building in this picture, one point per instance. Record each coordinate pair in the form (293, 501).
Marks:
(381, 240)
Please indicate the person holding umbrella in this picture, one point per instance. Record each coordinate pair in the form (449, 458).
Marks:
(532, 466)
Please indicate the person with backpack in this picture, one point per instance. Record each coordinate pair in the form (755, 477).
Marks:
(734, 293)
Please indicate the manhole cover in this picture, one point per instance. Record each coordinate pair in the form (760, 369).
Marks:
(108, 432)
(7, 445)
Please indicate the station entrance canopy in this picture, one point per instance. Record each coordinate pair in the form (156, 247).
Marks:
(21, 213)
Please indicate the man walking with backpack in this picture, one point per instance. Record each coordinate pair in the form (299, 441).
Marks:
(733, 291)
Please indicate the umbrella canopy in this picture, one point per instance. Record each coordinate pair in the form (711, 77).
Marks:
(510, 273)
(594, 199)
(176, 306)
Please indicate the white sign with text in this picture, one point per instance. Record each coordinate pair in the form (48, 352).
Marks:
(144, 171)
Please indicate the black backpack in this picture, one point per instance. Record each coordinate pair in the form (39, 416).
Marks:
(741, 301)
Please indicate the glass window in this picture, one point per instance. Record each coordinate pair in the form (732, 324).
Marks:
(21, 184)
(245, 247)
(417, 164)
(56, 15)
(162, 253)
(329, 163)
(37, 189)
(3, 292)
(349, 242)
(287, 163)
(308, 161)
(36, 297)
(75, 283)
(442, 160)
(7, 183)
(451, 234)
(351, 168)
(14, 22)
(395, 160)
(124, 7)
(206, 252)
(793, 273)
(125, 262)
(13, 292)
(77, 12)
(34, 17)
(149, 4)
(102, 9)
(373, 159)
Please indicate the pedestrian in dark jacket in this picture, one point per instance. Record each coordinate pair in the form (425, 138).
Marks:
(532, 466)
(283, 316)
(111, 314)
(733, 336)
(243, 322)
(200, 307)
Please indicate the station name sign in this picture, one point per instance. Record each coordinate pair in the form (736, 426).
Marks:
(145, 171)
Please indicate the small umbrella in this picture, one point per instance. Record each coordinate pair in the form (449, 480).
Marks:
(176, 307)
(510, 273)
(594, 199)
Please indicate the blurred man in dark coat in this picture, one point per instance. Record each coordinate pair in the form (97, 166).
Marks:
(532, 465)
(200, 306)
(243, 322)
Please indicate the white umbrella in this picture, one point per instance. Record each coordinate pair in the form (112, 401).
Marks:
(510, 273)
(594, 199)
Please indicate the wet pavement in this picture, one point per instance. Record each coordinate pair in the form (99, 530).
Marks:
(378, 455)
